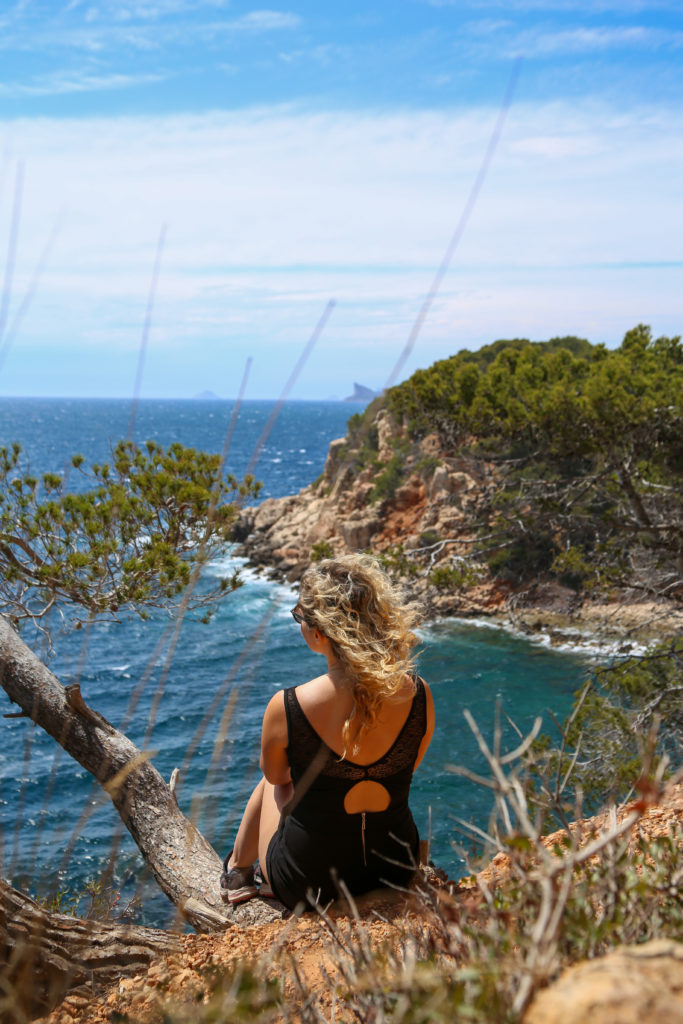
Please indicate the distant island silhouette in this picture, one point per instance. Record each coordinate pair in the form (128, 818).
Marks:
(361, 394)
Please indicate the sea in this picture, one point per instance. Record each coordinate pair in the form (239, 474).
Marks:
(59, 833)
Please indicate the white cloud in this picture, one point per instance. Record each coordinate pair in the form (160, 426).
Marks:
(264, 21)
(583, 7)
(586, 40)
(143, 27)
(271, 212)
(543, 40)
(148, 11)
(65, 82)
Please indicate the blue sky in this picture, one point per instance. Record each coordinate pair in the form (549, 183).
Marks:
(312, 151)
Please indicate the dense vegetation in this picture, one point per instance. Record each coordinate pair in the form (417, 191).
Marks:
(628, 716)
(586, 444)
(129, 534)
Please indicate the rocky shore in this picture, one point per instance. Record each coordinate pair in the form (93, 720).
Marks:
(422, 530)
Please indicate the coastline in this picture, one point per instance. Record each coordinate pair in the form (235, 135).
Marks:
(423, 530)
(616, 628)
(595, 629)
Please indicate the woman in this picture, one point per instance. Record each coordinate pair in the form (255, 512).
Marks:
(338, 753)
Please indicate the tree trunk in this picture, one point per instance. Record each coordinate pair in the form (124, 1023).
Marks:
(634, 499)
(183, 863)
(44, 956)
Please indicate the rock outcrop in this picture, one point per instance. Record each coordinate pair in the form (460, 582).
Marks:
(415, 506)
(411, 505)
(632, 985)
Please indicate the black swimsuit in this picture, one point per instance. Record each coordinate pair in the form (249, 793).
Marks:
(318, 842)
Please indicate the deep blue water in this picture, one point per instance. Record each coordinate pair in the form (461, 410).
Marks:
(49, 809)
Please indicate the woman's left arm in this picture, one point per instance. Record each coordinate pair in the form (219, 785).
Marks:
(429, 730)
(274, 740)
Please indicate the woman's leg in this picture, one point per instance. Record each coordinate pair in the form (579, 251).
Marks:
(246, 848)
(273, 800)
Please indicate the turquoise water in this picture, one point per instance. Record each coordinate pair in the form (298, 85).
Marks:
(43, 793)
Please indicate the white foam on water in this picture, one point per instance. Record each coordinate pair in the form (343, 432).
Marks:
(223, 564)
(249, 573)
(567, 639)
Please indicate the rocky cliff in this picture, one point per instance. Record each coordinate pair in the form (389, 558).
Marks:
(415, 505)
(417, 526)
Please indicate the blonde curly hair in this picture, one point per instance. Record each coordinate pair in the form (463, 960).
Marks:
(353, 603)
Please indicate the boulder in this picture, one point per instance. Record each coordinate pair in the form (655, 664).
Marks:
(409, 494)
(344, 480)
(358, 528)
(386, 435)
(334, 458)
(632, 985)
(322, 528)
(439, 485)
(460, 483)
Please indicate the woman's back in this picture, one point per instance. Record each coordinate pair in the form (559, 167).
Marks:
(327, 704)
(377, 775)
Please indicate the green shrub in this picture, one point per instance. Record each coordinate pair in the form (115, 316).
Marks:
(388, 481)
(527, 556)
(321, 549)
(573, 569)
(630, 712)
(396, 562)
(426, 465)
(96, 901)
(454, 577)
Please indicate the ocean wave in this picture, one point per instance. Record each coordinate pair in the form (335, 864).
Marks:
(569, 640)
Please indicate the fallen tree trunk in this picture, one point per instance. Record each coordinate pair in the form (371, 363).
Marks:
(44, 956)
(183, 863)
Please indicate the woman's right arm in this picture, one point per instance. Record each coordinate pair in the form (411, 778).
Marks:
(429, 730)
(274, 739)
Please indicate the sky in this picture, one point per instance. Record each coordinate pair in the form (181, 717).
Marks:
(195, 180)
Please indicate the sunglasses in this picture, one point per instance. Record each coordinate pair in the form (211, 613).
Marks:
(297, 616)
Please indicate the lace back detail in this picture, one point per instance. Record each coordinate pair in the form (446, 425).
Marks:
(304, 742)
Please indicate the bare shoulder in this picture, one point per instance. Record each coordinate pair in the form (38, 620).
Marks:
(276, 703)
(313, 684)
(275, 717)
(312, 691)
(408, 690)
